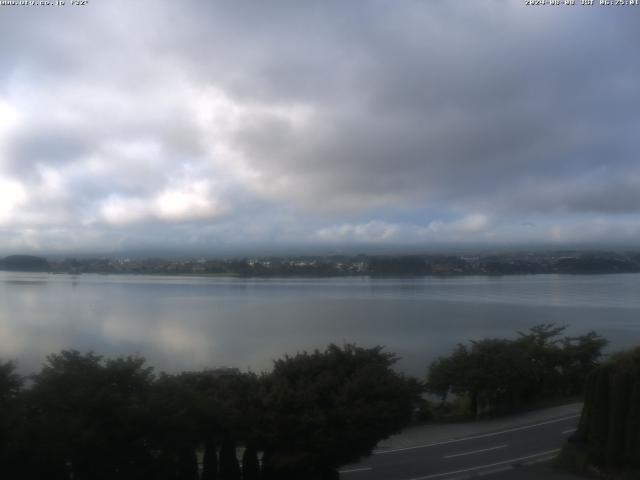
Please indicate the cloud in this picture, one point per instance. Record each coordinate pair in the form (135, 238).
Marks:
(123, 211)
(609, 189)
(374, 231)
(319, 122)
(470, 224)
(470, 228)
(12, 195)
(188, 203)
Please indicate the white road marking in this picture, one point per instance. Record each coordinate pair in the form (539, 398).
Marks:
(571, 430)
(537, 460)
(494, 471)
(353, 470)
(476, 451)
(471, 469)
(474, 437)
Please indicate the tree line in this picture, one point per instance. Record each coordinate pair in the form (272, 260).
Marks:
(86, 417)
(497, 375)
(343, 265)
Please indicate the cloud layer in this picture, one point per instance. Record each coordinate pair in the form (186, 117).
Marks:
(317, 123)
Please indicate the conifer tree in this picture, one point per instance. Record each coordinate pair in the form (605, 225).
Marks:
(229, 465)
(210, 460)
(250, 464)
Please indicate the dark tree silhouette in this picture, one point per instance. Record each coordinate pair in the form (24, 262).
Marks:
(500, 375)
(250, 463)
(229, 465)
(88, 418)
(210, 460)
(608, 434)
(326, 409)
(25, 263)
(12, 439)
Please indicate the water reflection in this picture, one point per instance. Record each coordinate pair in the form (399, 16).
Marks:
(25, 282)
(191, 322)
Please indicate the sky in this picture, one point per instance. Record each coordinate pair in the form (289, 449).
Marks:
(329, 125)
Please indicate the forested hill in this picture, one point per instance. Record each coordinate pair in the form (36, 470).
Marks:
(379, 265)
(24, 263)
(344, 265)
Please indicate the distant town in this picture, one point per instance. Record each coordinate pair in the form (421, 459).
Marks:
(578, 262)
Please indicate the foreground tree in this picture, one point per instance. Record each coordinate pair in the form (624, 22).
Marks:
(175, 433)
(580, 356)
(229, 465)
(608, 435)
(210, 460)
(11, 434)
(88, 418)
(250, 464)
(329, 408)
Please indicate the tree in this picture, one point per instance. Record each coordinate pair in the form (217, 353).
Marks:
(491, 373)
(175, 432)
(328, 408)
(10, 383)
(89, 417)
(501, 375)
(229, 465)
(25, 263)
(210, 460)
(250, 463)
(86, 417)
(408, 265)
(10, 426)
(580, 357)
(609, 430)
(444, 372)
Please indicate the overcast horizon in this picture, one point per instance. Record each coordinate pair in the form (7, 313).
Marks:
(317, 126)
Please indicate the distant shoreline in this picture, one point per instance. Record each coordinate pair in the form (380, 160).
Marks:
(311, 276)
(387, 266)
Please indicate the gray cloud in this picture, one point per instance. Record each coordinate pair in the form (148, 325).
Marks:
(316, 122)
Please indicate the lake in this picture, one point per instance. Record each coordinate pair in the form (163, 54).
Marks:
(181, 323)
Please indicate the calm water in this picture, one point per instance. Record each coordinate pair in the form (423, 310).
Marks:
(192, 322)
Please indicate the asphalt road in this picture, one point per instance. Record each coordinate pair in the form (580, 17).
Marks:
(486, 454)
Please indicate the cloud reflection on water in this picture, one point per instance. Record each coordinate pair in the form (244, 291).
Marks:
(184, 323)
